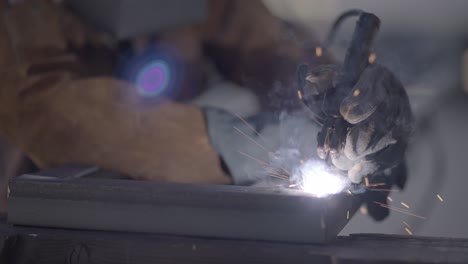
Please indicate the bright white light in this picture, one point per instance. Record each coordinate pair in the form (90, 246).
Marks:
(316, 179)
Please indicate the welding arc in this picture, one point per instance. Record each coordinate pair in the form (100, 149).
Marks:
(399, 210)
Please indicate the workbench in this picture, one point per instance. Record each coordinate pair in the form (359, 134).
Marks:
(24, 245)
(78, 215)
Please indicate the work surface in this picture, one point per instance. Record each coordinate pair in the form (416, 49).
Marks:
(39, 245)
(221, 211)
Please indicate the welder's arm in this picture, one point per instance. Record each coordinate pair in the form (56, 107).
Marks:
(60, 108)
(101, 122)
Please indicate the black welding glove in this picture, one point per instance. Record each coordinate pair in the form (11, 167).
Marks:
(248, 148)
(381, 121)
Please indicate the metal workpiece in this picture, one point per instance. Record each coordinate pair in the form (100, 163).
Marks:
(218, 211)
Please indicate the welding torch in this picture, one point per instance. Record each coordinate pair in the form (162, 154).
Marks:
(332, 137)
(333, 133)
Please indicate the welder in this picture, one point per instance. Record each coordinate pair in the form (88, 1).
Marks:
(70, 94)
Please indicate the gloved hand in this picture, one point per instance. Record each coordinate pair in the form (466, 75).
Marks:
(378, 110)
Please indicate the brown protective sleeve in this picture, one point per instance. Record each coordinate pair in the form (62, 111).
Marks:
(59, 110)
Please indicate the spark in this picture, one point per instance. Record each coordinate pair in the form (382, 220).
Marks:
(322, 222)
(406, 224)
(363, 210)
(399, 210)
(276, 170)
(348, 191)
(280, 170)
(372, 58)
(408, 231)
(366, 180)
(382, 190)
(318, 51)
(440, 198)
(299, 94)
(312, 78)
(281, 175)
(257, 160)
(251, 139)
(356, 92)
(347, 215)
(405, 205)
(250, 126)
(389, 198)
(377, 184)
(276, 174)
(292, 185)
